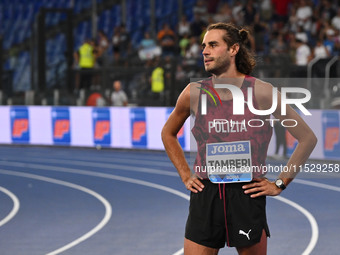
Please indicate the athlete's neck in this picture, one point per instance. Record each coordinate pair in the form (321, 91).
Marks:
(234, 78)
(231, 73)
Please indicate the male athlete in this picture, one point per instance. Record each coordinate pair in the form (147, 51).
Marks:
(230, 213)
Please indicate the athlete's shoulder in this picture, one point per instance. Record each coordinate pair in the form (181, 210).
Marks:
(262, 85)
(190, 89)
(201, 82)
(186, 97)
(193, 88)
(263, 92)
(189, 98)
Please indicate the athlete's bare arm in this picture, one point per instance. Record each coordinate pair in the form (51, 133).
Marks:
(302, 132)
(174, 150)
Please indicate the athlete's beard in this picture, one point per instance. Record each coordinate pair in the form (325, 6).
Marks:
(220, 65)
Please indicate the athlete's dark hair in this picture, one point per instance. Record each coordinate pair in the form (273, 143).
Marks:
(245, 61)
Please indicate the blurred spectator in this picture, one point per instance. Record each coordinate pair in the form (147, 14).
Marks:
(291, 46)
(103, 45)
(201, 9)
(125, 41)
(183, 44)
(183, 26)
(278, 45)
(181, 79)
(260, 30)
(237, 13)
(304, 14)
(303, 53)
(336, 39)
(167, 40)
(329, 42)
(118, 96)
(327, 29)
(212, 6)
(316, 27)
(204, 30)
(76, 69)
(103, 42)
(180, 75)
(301, 34)
(266, 10)
(86, 59)
(197, 25)
(328, 33)
(281, 10)
(157, 81)
(224, 14)
(336, 21)
(147, 42)
(95, 99)
(142, 90)
(326, 10)
(293, 20)
(148, 49)
(169, 79)
(121, 42)
(302, 57)
(320, 51)
(115, 40)
(249, 12)
(194, 52)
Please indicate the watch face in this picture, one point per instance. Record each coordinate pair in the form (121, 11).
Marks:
(279, 182)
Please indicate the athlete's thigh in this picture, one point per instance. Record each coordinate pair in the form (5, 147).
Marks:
(259, 248)
(192, 248)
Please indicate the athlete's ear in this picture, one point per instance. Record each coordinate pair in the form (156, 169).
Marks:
(234, 49)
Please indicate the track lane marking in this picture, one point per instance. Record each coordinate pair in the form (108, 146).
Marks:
(108, 166)
(102, 223)
(313, 223)
(105, 161)
(15, 209)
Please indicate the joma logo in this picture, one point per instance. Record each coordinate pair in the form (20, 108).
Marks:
(228, 148)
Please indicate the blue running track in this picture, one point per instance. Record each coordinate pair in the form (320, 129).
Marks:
(76, 201)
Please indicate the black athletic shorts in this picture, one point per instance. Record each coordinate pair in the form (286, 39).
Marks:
(217, 217)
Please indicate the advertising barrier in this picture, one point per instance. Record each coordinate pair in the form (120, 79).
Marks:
(137, 127)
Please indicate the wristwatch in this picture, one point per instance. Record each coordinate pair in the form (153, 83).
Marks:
(280, 184)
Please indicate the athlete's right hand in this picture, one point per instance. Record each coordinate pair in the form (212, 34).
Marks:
(193, 183)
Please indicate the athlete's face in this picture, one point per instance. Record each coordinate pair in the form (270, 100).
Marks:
(217, 56)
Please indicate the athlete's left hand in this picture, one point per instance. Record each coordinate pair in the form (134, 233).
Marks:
(261, 187)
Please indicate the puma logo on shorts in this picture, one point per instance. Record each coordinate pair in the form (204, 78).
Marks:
(241, 232)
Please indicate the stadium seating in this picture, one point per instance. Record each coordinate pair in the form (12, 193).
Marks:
(18, 16)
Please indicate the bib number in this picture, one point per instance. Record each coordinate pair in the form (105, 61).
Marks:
(229, 162)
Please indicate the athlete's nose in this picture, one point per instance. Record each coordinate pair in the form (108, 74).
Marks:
(205, 52)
